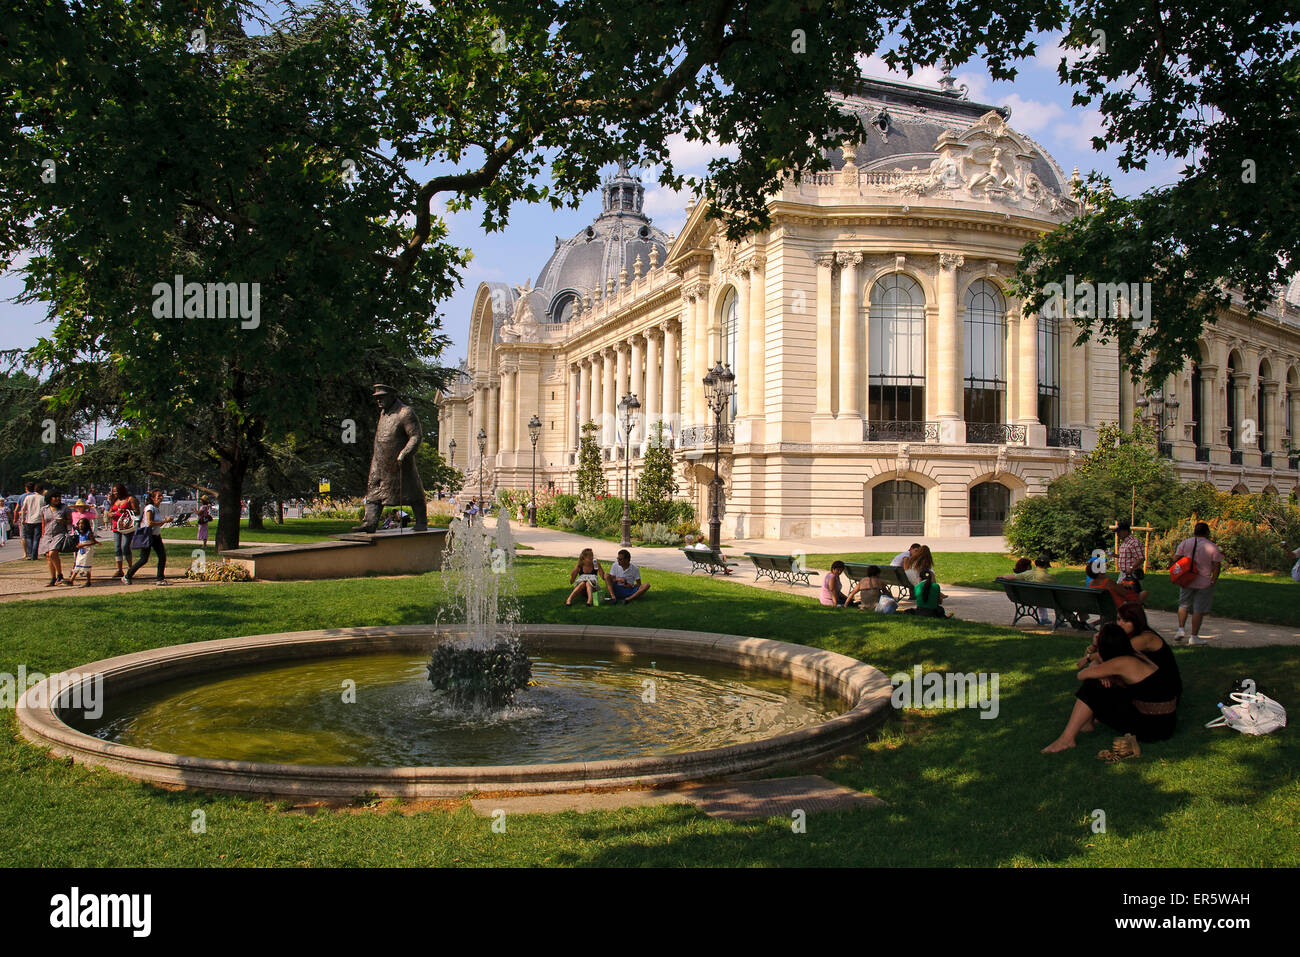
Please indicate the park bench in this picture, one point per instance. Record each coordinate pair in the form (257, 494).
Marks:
(896, 582)
(709, 560)
(778, 568)
(1073, 604)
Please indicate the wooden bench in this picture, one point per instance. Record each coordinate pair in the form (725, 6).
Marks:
(708, 560)
(778, 568)
(1073, 604)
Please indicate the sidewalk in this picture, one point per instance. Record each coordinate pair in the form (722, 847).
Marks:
(969, 604)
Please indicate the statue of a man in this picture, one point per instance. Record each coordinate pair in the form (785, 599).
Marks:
(394, 478)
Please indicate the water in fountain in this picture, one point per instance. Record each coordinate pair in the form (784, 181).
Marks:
(484, 669)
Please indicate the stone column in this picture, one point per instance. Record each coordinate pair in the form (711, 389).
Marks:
(1210, 435)
(493, 421)
(620, 384)
(686, 401)
(608, 400)
(572, 415)
(850, 337)
(508, 390)
(1027, 370)
(741, 368)
(1273, 422)
(584, 398)
(672, 378)
(652, 403)
(636, 385)
(1076, 378)
(699, 355)
(950, 340)
(756, 377)
(825, 357)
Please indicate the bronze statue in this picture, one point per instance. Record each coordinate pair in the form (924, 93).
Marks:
(394, 478)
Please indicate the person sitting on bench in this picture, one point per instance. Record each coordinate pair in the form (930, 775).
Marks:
(1038, 573)
(1121, 592)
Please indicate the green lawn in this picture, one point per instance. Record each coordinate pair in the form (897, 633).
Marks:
(960, 790)
(293, 530)
(1249, 596)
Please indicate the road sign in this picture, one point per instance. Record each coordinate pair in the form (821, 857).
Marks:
(79, 448)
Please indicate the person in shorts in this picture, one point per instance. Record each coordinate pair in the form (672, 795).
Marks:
(1197, 596)
(624, 579)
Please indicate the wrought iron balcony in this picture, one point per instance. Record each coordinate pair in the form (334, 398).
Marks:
(1234, 457)
(703, 435)
(1202, 453)
(1065, 438)
(1293, 463)
(898, 430)
(1266, 459)
(995, 433)
(1165, 450)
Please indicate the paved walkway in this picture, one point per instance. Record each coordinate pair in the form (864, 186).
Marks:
(970, 604)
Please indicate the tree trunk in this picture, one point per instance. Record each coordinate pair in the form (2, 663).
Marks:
(255, 508)
(230, 489)
(279, 511)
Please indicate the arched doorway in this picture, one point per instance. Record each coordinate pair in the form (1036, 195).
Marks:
(990, 504)
(898, 508)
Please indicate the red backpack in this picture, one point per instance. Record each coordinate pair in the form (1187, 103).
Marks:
(1183, 571)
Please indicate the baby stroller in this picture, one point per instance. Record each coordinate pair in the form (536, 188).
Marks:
(177, 520)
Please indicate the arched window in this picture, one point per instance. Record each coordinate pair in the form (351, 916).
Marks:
(898, 508)
(1234, 373)
(1198, 407)
(1049, 371)
(1261, 409)
(896, 368)
(989, 504)
(1289, 401)
(730, 317)
(986, 351)
(562, 308)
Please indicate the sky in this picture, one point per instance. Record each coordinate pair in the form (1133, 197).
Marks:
(1040, 107)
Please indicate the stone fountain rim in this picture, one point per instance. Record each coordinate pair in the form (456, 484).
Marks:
(865, 689)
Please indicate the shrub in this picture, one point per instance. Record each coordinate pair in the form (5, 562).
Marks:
(222, 571)
(601, 516)
(1244, 545)
(591, 474)
(654, 492)
(557, 509)
(656, 533)
(684, 528)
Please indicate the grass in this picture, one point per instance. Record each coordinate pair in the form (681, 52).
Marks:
(1248, 596)
(959, 790)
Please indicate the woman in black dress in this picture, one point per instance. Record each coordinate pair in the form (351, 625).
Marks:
(1125, 689)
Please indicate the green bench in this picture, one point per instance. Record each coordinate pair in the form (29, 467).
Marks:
(708, 560)
(778, 568)
(1074, 604)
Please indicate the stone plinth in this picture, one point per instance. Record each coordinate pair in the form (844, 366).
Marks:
(346, 556)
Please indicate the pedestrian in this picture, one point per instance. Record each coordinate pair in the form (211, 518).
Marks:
(204, 519)
(124, 515)
(55, 524)
(1196, 592)
(29, 515)
(4, 523)
(148, 538)
(1131, 553)
(86, 541)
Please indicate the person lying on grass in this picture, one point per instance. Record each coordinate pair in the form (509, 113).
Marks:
(624, 579)
(1124, 689)
(588, 575)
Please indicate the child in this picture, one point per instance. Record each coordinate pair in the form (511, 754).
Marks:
(86, 542)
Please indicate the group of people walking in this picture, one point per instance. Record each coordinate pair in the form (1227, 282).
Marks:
(53, 530)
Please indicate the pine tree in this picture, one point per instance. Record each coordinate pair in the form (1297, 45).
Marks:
(591, 477)
(656, 489)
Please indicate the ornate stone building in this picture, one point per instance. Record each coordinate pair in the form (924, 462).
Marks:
(886, 380)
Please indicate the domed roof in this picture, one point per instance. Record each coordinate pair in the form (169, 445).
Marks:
(611, 244)
(904, 122)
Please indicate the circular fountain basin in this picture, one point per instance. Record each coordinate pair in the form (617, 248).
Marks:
(719, 705)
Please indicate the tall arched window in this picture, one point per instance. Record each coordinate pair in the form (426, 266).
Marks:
(989, 504)
(1234, 373)
(730, 324)
(1261, 407)
(1198, 407)
(896, 368)
(986, 351)
(1289, 402)
(1049, 371)
(898, 508)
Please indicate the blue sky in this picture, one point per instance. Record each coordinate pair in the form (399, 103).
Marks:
(1040, 107)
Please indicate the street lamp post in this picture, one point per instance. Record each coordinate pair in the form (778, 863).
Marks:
(482, 451)
(628, 406)
(534, 430)
(1160, 412)
(719, 386)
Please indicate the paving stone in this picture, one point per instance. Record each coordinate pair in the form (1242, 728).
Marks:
(776, 797)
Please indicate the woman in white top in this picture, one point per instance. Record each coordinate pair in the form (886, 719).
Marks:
(152, 520)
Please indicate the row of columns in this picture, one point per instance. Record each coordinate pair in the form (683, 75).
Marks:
(645, 365)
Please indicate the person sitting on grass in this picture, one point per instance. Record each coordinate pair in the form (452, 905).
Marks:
(587, 574)
(866, 593)
(624, 579)
(1144, 639)
(929, 599)
(832, 594)
(86, 541)
(1124, 689)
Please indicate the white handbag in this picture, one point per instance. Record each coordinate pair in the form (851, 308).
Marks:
(1252, 714)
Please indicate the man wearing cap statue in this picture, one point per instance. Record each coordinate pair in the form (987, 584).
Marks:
(393, 475)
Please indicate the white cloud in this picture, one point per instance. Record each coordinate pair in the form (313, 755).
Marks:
(1032, 115)
(1077, 130)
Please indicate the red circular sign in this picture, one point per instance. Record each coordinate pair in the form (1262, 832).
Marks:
(79, 448)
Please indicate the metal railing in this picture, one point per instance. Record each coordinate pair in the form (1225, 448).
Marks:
(995, 433)
(703, 435)
(898, 430)
(1202, 453)
(1266, 459)
(1165, 450)
(1234, 457)
(1065, 438)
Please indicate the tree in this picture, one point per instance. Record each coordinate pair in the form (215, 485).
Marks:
(655, 490)
(591, 477)
(435, 473)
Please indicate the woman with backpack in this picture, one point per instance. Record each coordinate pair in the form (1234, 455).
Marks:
(123, 516)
